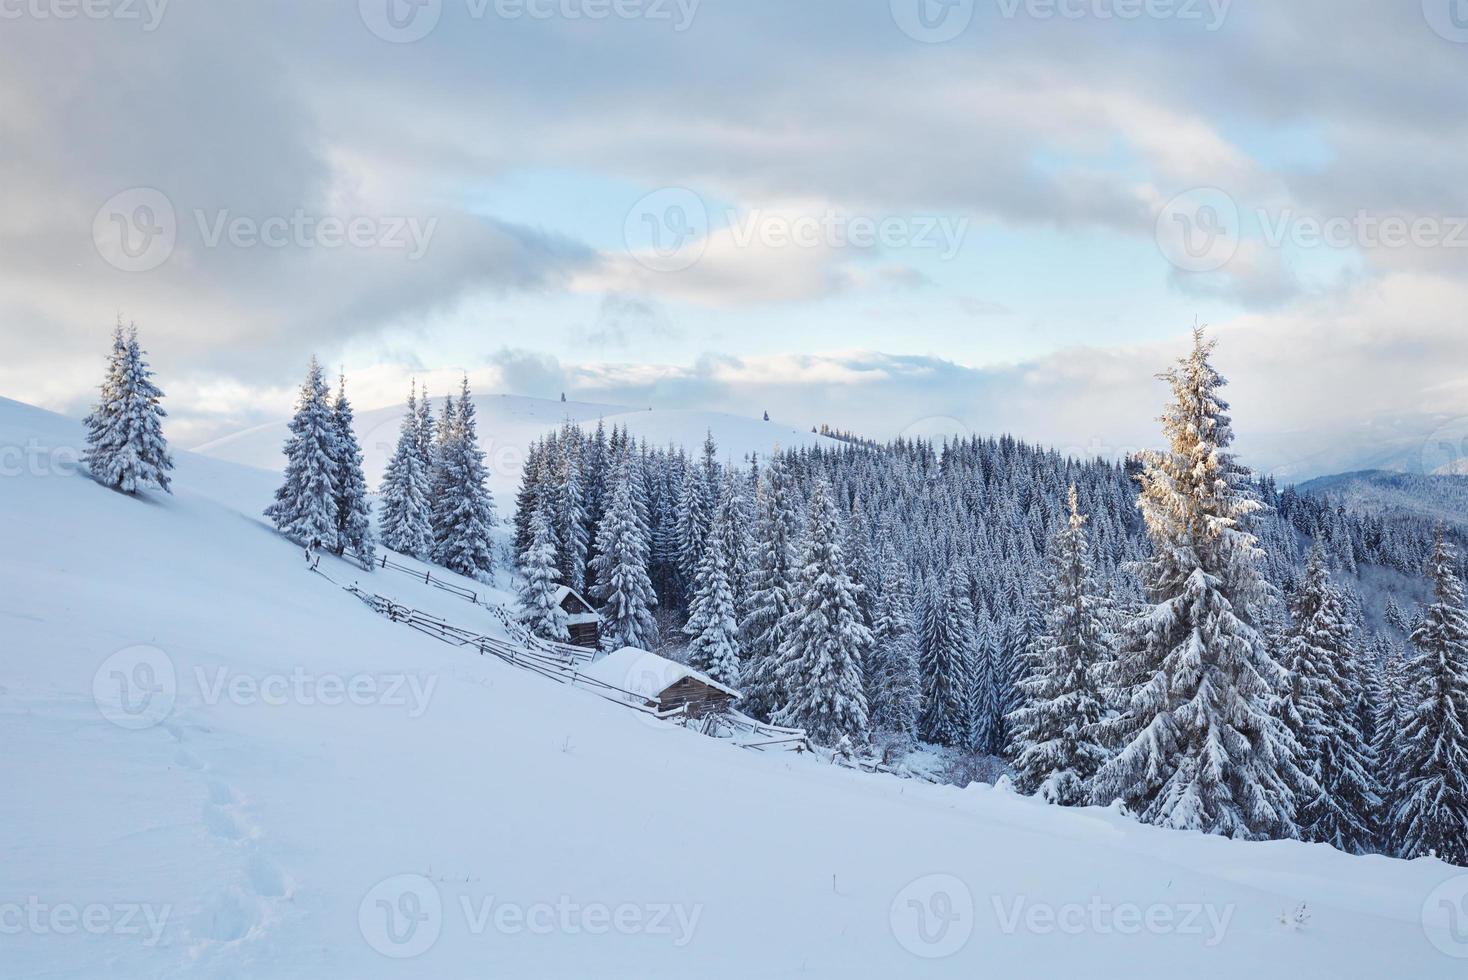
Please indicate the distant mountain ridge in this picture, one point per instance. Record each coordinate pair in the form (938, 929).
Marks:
(1384, 493)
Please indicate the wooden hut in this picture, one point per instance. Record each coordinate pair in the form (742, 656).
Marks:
(661, 684)
(582, 621)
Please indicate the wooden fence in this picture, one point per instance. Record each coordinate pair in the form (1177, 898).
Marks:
(562, 664)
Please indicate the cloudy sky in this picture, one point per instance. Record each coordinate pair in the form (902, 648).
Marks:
(884, 215)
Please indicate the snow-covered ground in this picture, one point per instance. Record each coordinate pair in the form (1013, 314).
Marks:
(218, 764)
(509, 423)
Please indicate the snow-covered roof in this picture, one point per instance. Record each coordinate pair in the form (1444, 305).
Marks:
(646, 674)
(592, 616)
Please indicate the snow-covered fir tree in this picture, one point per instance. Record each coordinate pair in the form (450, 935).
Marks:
(353, 512)
(1054, 735)
(768, 596)
(1199, 746)
(463, 508)
(731, 527)
(820, 668)
(541, 581)
(1337, 805)
(125, 445)
(305, 507)
(619, 570)
(945, 653)
(406, 518)
(1431, 812)
(712, 628)
(1392, 709)
(694, 520)
(894, 687)
(570, 519)
(985, 711)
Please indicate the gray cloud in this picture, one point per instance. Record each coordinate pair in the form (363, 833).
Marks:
(269, 108)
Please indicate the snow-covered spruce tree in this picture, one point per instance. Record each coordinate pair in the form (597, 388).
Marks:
(1198, 745)
(1054, 735)
(893, 685)
(712, 628)
(1431, 814)
(1392, 711)
(541, 581)
(1337, 804)
(305, 504)
(694, 520)
(1395, 618)
(768, 595)
(984, 709)
(463, 509)
(125, 444)
(825, 641)
(406, 521)
(619, 570)
(353, 512)
(570, 512)
(945, 652)
(731, 521)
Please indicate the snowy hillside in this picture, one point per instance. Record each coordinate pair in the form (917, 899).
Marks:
(1435, 498)
(219, 764)
(509, 423)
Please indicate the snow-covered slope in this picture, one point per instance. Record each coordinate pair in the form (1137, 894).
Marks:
(218, 764)
(509, 423)
(1439, 497)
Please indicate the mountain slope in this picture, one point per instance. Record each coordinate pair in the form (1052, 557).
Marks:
(499, 825)
(1435, 497)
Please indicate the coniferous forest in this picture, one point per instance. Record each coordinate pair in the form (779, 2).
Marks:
(1210, 649)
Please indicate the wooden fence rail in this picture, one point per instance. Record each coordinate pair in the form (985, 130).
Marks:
(562, 664)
